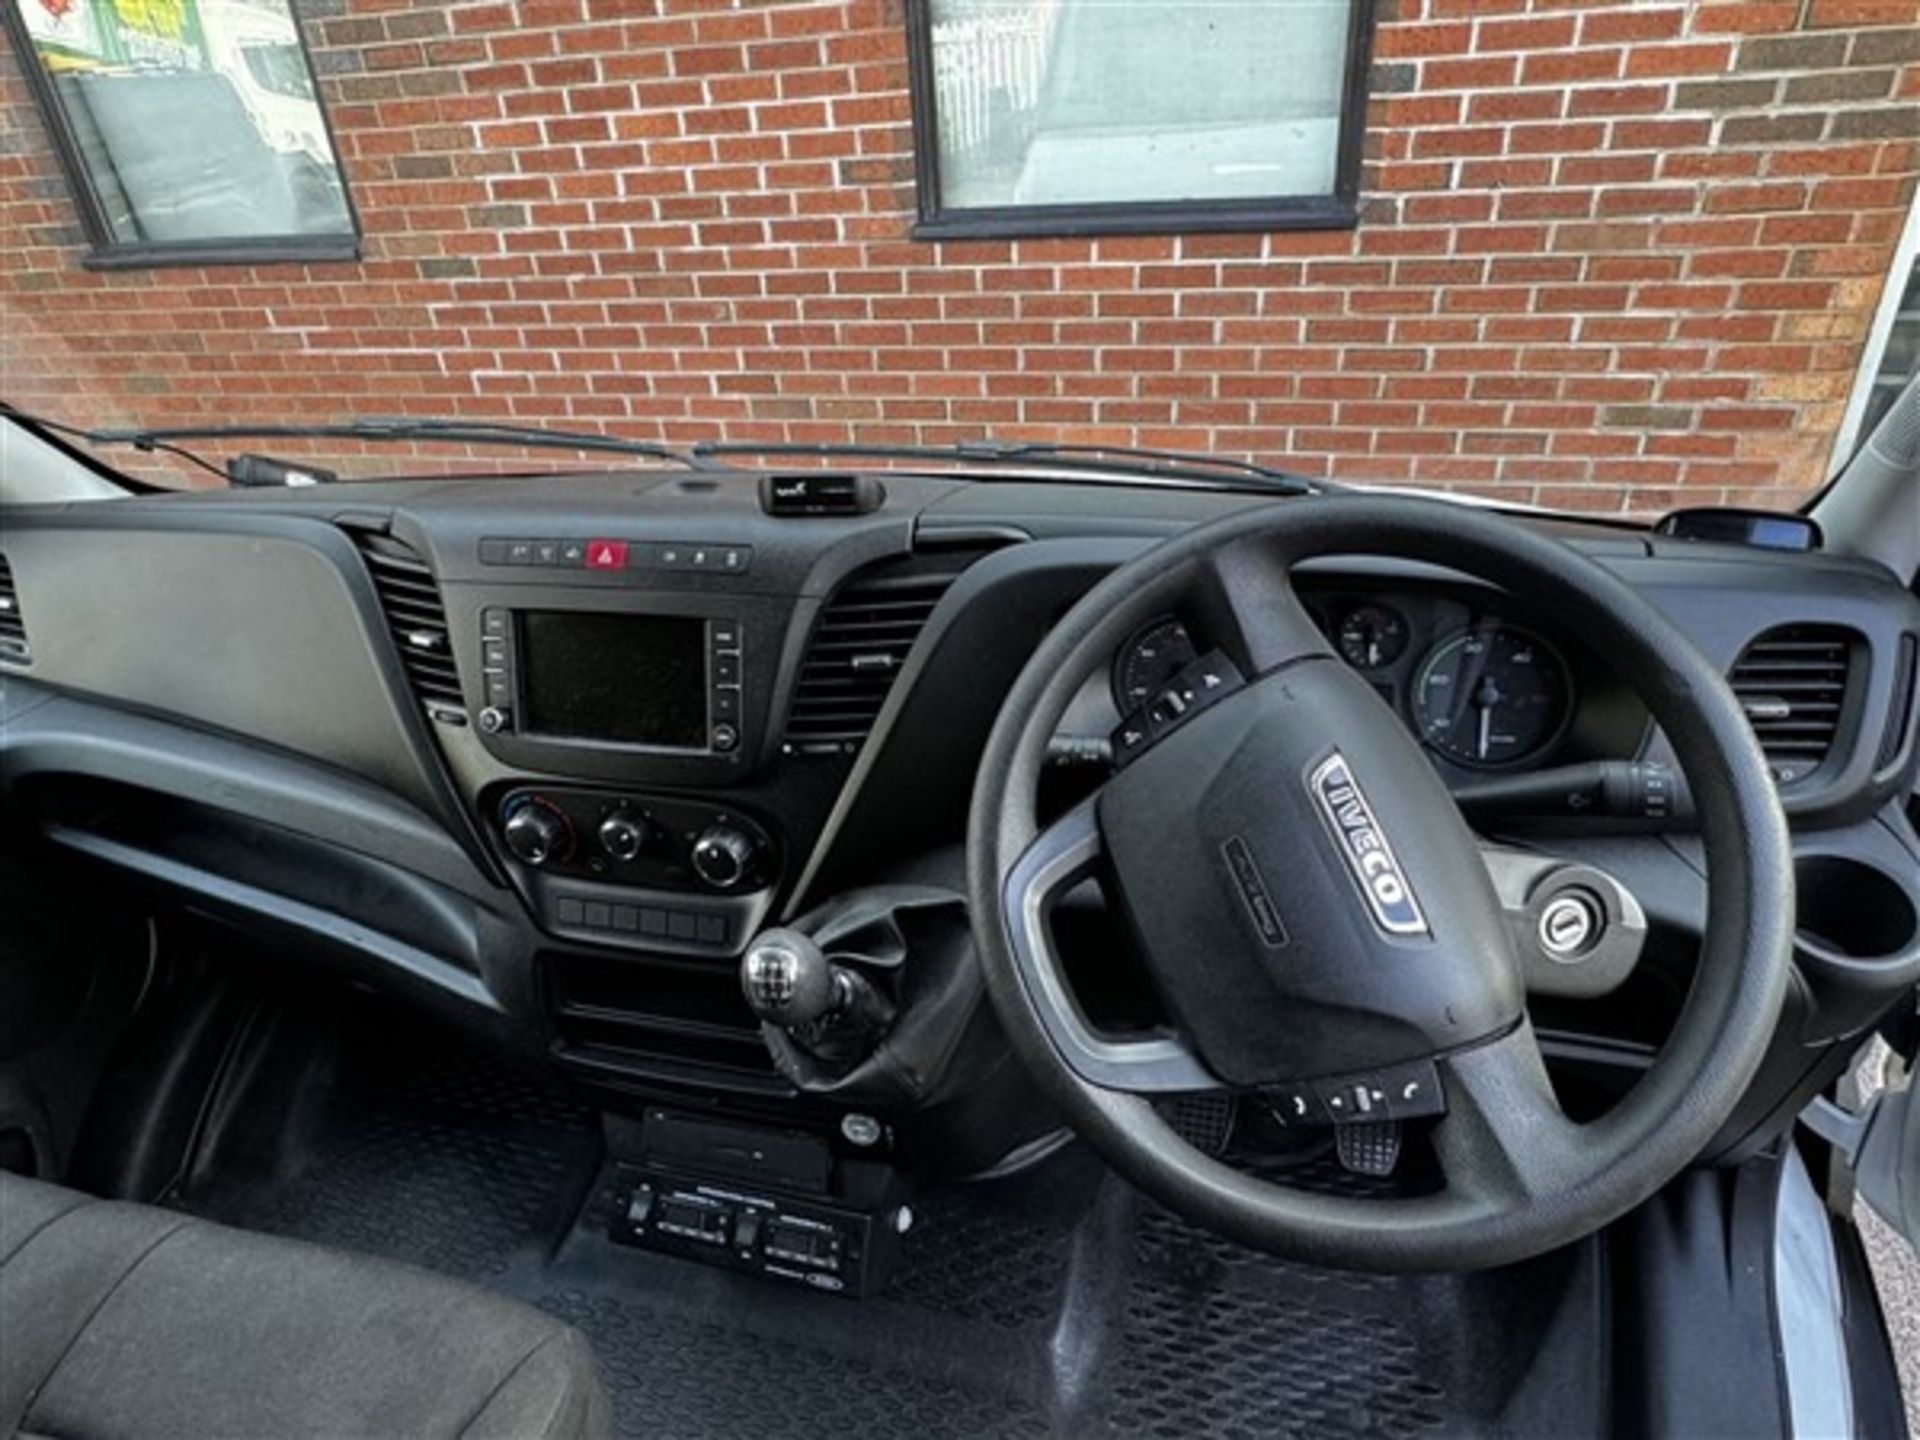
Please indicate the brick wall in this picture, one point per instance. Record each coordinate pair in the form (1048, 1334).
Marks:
(1616, 256)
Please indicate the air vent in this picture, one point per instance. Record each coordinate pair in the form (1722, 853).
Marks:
(859, 646)
(1792, 683)
(13, 625)
(418, 621)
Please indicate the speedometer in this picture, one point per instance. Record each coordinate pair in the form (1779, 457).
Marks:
(1491, 695)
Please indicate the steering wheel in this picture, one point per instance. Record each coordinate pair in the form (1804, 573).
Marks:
(1316, 915)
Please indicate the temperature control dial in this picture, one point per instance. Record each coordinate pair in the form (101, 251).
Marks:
(725, 857)
(537, 831)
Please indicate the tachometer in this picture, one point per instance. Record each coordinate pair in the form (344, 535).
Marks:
(1146, 663)
(1493, 694)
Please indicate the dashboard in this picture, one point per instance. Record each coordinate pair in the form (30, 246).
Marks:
(559, 748)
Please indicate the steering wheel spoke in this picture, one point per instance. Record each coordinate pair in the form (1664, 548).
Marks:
(1244, 596)
(1504, 1136)
(1063, 856)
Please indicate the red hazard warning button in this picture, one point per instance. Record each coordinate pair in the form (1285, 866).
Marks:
(606, 555)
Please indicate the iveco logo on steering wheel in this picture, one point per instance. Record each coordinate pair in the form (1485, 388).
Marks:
(1365, 848)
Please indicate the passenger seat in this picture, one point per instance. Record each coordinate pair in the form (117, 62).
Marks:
(125, 1321)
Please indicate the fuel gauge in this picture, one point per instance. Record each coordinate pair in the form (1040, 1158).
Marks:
(1373, 637)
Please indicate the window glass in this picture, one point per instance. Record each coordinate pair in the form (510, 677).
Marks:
(192, 121)
(1062, 102)
(1901, 360)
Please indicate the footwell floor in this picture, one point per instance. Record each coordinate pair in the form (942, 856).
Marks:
(1057, 1302)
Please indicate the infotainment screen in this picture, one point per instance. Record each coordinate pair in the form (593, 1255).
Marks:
(623, 679)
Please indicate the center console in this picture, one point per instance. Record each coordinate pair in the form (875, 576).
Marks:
(616, 695)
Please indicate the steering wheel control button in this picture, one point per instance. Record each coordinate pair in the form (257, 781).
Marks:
(1205, 682)
(1570, 925)
(1400, 1092)
(1296, 1105)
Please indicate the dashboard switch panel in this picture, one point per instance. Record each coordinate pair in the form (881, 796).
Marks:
(638, 871)
(652, 841)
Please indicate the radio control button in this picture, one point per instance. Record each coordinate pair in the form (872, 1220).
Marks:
(726, 703)
(725, 738)
(726, 669)
(494, 719)
(726, 634)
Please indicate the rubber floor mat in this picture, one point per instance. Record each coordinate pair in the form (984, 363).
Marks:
(1056, 1302)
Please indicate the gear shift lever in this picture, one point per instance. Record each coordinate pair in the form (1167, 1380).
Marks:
(789, 982)
(831, 1012)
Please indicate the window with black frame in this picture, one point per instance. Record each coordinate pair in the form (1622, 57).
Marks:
(1037, 117)
(191, 129)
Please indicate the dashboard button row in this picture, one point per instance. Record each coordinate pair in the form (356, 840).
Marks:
(649, 922)
(614, 554)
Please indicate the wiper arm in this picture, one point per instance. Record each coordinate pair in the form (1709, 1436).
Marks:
(395, 428)
(1147, 460)
(1085, 459)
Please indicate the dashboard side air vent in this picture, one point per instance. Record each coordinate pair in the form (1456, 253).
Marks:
(1792, 682)
(14, 649)
(410, 598)
(859, 645)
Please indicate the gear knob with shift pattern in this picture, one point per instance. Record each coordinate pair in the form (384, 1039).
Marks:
(789, 982)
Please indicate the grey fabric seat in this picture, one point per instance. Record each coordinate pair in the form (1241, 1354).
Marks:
(121, 1320)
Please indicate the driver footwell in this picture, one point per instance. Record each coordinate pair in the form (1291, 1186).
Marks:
(1058, 1301)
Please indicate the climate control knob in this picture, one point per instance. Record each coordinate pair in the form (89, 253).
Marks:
(725, 857)
(623, 835)
(537, 832)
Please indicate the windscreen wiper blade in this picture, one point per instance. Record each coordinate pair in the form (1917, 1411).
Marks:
(1085, 459)
(396, 428)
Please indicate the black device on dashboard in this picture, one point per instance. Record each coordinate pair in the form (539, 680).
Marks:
(640, 681)
(1762, 529)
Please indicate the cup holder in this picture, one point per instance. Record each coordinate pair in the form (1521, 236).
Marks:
(1854, 911)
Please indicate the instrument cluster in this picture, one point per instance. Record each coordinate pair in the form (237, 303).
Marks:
(1481, 689)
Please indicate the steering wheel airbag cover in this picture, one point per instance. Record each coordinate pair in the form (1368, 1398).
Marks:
(1232, 842)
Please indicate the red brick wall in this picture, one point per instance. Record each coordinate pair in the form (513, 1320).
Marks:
(1613, 256)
